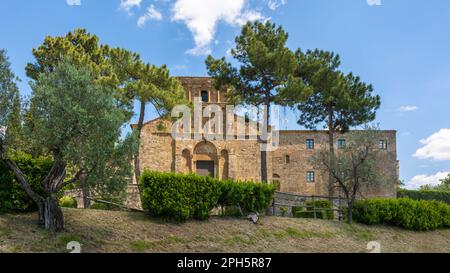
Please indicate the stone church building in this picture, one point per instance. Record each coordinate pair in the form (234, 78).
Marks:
(288, 166)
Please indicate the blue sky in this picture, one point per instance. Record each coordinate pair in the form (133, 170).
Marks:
(402, 47)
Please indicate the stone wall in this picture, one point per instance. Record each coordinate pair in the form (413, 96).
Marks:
(240, 158)
(292, 174)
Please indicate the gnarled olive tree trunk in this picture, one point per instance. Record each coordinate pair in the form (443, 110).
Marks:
(50, 213)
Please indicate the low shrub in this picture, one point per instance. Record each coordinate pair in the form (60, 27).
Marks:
(100, 206)
(181, 197)
(106, 206)
(12, 197)
(443, 196)
(404, 212)
(323, 210)
(68, 202)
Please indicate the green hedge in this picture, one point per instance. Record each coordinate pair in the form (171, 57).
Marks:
(443, 196)
(181, 197)
(249, 196)
(405, 213)
(12, 197)
(301, 212)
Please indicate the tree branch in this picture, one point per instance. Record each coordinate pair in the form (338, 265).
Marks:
(19, 175)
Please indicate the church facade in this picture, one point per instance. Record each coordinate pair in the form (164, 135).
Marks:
(289, 166)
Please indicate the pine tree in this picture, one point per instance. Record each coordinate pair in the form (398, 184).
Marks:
(264, 71)
(338, 101)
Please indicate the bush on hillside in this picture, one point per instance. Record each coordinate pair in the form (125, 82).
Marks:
(12, 197)
(181, 197)
(68, 202)
(323, 210)
(437, 195)
(405, 213)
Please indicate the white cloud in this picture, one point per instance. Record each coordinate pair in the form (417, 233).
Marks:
(201, 17)
(73, 2)
(436, 147)
(151, 14)
(374, 2)
(180, 67)
(408, 108)
(421, 180)
(274, 4)
(127, 5)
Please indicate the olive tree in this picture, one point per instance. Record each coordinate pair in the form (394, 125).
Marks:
(355, 167)
(71, 115)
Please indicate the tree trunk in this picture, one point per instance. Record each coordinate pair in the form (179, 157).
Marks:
(350, 213)
(49, 212)
(331, 150)
(50, 215)
(137, 161)
(264, 146)
(85, 191)
(20, 177)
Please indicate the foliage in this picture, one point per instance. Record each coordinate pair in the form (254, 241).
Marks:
(178, 197)
(101, 206)
(70, 117)
(118, 199)
(249, 196)
(82, 48)
(443, 186)
(10, 104)
(107, 163)
(265, 68)
(323, 210)
(68, 202)
(12, 196)
(181, 197)
(404, 212)
(277, 185)
(265, 65)
(338, 101)
(437, 195)
(147, 84)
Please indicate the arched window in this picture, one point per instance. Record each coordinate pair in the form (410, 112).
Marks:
(205, 96)
(276, 182)
(287, 159)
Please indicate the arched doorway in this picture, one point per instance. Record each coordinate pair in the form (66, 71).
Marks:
(205, 159)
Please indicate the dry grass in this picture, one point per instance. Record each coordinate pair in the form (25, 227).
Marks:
(106, 231)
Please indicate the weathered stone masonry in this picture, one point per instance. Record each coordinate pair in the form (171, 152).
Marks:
(240, 159)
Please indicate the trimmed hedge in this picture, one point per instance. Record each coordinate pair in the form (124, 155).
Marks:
(443, 196)
(405, 213)
(181, 197)
(249, 196)
(12, 197)
(301, 212)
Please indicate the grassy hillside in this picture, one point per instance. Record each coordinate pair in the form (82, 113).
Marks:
(105, 231)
